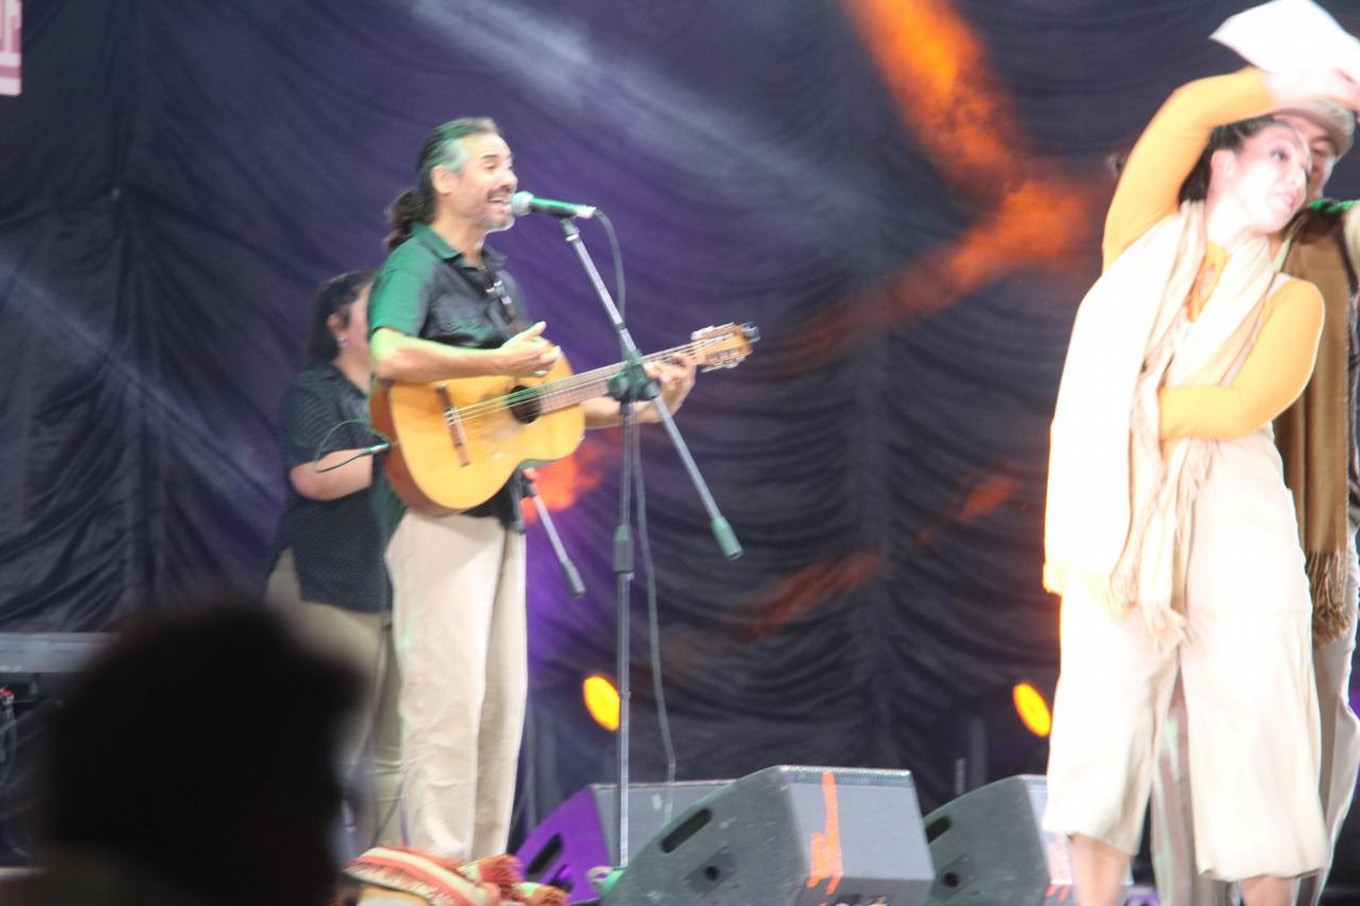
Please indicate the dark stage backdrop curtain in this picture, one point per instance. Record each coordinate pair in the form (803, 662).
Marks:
(178, 177)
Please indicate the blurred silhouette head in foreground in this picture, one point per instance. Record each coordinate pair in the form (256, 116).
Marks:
(199, 750)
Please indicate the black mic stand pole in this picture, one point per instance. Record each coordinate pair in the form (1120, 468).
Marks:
(629, 385)
(569, 573)
(574, 585)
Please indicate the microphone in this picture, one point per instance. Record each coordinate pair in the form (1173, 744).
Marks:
(374, 450)
(522, 203)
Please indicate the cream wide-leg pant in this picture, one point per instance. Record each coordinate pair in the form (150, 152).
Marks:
(1173, 845)
(1247, 673)
(460, 631)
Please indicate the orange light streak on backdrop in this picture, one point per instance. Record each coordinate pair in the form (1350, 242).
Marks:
(1032, 213)
(960, 113)
(562, 483)
(988, 493)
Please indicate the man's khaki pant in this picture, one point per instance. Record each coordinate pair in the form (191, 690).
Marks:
(458, 599)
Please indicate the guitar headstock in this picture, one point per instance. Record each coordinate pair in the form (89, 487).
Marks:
(722, 346)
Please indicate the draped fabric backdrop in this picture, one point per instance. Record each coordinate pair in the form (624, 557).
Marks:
(905, 196)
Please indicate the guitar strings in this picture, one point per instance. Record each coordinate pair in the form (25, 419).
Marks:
(568, 388)
(560, 396)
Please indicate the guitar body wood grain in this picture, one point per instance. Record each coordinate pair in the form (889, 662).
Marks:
(437, 470)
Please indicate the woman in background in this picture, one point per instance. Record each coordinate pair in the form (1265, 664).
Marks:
(329, 548)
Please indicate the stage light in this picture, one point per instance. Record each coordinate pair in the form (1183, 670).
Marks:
(1032, 709)
(999, 732)
(602, 700)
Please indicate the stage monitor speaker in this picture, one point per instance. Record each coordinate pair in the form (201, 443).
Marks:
(579, 834)
(789, 836)
(990, 848)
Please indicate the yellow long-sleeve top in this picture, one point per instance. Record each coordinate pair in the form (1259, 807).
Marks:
(1279, 365)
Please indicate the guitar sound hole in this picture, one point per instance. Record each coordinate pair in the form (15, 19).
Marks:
(524, 404)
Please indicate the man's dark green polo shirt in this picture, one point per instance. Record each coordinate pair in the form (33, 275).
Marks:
(427, 289)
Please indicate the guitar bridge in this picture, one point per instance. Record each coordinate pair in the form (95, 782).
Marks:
(453, 420)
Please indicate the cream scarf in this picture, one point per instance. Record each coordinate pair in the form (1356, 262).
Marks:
(1119, 514)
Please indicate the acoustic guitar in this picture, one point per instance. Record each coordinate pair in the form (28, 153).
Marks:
(456, 442)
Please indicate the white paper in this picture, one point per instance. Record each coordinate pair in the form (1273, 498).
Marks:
(1289, 36)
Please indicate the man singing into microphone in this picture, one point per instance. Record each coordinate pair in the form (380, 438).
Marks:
(443, 308)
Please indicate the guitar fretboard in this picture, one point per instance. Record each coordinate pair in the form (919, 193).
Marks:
(574, 390)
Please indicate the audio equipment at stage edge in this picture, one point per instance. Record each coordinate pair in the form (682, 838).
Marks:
(990, 849)
(791, 836)
(578, 835)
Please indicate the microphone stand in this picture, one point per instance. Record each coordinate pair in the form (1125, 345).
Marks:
(628, 386)
(572, 578)
(569, 573)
